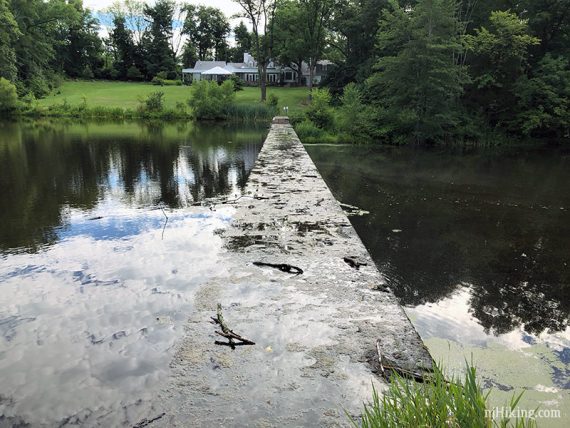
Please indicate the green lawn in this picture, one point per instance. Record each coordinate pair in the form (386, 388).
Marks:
(126, 95)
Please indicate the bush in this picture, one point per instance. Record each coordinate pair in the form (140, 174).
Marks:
(308, 132)
(320, 111)
(133, 73)
(273, 100)
(8, 96)
(238, 83)
(209, 100)
(153, 103)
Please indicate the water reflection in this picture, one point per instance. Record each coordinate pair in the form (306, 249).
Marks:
(95, 285)
(475, 244)
(439, 219)
(88, 326)
(49, 169)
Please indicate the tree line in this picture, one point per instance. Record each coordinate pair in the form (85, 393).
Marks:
(421, 70)
(42, 42)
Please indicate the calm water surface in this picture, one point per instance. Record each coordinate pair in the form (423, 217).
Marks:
(476, 245)
(95, 283)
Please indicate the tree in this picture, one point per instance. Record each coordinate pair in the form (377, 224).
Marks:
(500, 59)
(8, 96)
(290, 44)
(544, 99)
(156, 42)
(261, 15)
(9, 33)
(316, 15)
(207, 29)
(40, 24)
(416, 89)
(124, 50)
(81, 53)
(243, 41)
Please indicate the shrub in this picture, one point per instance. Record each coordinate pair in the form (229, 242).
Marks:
(133, 73)
(273, 100)
(320, 111)
(153, 103)
(8, 96)
(209, 100)
(238, 83)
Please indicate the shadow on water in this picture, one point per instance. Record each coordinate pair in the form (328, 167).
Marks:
(50, 168)
(494, 221)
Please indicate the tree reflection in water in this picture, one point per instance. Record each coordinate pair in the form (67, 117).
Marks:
(496, 221)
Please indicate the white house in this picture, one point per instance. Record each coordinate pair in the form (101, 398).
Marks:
(248, 72)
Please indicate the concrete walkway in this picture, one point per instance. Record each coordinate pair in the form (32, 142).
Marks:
(315, 333)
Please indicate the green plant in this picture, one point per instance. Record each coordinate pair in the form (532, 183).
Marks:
(209, 100)
(153, 103)
(273, 101)
(8, 96)
(133, 73)
(437, 403)
(320, 111)
(238, 83)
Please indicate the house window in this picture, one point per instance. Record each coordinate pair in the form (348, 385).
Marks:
(288, 75)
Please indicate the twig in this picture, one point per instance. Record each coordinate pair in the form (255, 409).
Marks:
(165, 223)
(229, 333)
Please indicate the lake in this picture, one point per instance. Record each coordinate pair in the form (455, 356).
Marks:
(476, 246)
(107, 230)
(103, 242)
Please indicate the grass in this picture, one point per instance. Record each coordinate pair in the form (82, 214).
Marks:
(126, 95)
(457, 404)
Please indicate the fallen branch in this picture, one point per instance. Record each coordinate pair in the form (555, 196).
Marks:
(228, 333)
(283, 267)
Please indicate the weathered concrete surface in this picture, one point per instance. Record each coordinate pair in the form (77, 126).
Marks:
(315, 333)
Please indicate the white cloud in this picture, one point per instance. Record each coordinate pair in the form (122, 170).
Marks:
(229, 7)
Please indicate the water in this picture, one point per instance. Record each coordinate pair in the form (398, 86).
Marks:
(101, 249)
(476, 245)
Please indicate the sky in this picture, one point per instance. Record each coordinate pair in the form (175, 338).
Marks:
(229, 7)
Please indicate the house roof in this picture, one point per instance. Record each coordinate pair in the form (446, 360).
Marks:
(208, 65)
(218, 71)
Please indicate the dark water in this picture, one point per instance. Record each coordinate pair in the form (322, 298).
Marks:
(476, 245)
(48, 170)
(101, 252)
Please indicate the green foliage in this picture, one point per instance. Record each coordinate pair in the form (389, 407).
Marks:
(8, 96)
(238, 83)
(418, 83)
(544, 99)
(273, 101)
(320, 111)
(437, 403)
(153, 103)
(158, 53)
(206, 29)
(133, 73)
(9, 33)
(309, 133)
(209, 100)
(501, 55)
(248, 112)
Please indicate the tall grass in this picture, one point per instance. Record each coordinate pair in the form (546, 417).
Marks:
(250, 112)
(437, 403)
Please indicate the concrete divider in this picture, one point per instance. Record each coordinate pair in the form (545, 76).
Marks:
(316, 332)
